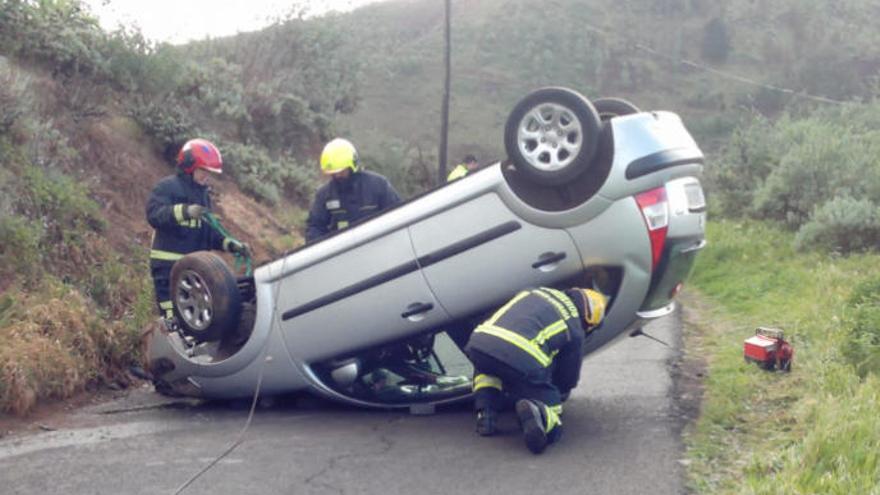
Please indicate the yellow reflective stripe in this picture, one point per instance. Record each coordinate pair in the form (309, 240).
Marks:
(164, 255)
(549, 331)
(166, 305)
(178, 213)
(458, 172)
(500, 312)
(341, 224)
(564, 299)
(487, 381)
(596, 311)
(517, 340)
(554, 418)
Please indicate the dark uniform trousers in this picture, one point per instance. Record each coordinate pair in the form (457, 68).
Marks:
(175, 235)
(531, 348)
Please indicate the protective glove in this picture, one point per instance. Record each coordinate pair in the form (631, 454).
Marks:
(194, 211)
(238, 247)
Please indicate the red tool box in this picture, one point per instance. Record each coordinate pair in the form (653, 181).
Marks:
(769, 349)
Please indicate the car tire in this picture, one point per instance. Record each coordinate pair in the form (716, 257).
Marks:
(614, 107)
(551, 136)
(205, 294)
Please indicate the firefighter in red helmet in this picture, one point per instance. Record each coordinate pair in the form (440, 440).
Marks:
(175, 210)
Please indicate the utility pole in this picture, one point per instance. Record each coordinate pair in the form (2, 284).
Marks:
(444, 125)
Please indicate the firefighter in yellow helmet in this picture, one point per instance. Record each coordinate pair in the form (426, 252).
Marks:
(530, 351)
(351, 195)
(462, 169)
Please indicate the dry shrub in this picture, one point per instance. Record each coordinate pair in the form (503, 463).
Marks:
(54, 348)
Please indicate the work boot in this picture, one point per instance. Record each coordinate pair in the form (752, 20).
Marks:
(486, 422)
(531, 420)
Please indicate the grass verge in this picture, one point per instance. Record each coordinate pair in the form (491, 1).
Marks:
(815, 430)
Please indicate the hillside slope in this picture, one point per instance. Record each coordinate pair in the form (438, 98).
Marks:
(690, 57)
(74, 285)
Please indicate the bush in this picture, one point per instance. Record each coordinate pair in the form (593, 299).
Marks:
(166, 122)
(821, 160)
(843, 225)
(301, 183)
(54, 345)
(59, 202)
(863, 349)
(266, 177)
(285, 122)
(60, 34)
(115, 285)
(784, 170)
(20, 247)
(215, 88)
(135, 64)
(752, 152)
(15, 98)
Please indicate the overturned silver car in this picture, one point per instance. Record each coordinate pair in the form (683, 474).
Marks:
(594, 194)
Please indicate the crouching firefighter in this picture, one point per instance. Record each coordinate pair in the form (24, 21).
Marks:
(175, 210)
(530, 351)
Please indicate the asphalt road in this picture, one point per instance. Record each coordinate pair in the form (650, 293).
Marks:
(622, 436)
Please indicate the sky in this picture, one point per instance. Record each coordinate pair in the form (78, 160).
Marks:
(179, 21)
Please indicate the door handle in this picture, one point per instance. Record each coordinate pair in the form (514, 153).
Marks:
(416, 308)
(548, 259)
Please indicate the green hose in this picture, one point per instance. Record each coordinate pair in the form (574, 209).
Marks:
(240, 259)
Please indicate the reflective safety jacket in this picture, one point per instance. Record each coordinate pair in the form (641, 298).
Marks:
(339, 204)
(539, 331)
(175, 235)
(458, 172)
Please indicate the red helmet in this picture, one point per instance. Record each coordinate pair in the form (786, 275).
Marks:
(200, 153)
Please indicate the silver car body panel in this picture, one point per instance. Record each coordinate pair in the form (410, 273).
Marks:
(464, 247)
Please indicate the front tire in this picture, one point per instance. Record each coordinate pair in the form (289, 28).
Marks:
(205, 294)
(551, 136)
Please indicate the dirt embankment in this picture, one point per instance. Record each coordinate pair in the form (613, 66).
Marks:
(124, 167)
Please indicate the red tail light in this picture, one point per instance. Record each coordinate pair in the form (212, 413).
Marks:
(655, 210)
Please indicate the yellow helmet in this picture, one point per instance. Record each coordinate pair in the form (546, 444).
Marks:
(337, 156)
(594, 306)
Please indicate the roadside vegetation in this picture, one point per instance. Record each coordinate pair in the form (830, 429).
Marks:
(815, 430)
(71, 304)
(811, 267)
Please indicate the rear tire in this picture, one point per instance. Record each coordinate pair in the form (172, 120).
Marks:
(205, 294)
(551, 136)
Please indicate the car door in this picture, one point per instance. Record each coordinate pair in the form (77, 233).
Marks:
(366, 295)
(476, 254)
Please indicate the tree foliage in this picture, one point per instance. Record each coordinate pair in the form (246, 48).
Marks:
(819, 174)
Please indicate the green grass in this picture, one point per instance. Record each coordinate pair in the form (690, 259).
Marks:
(816, 430)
